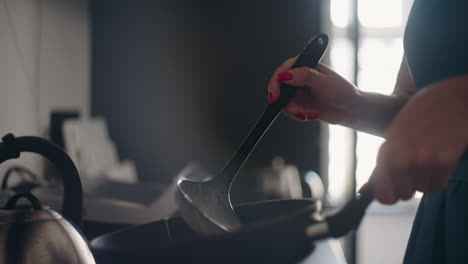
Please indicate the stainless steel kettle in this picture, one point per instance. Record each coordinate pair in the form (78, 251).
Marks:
(38, 235)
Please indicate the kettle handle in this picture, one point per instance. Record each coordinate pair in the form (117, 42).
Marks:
(72, 204)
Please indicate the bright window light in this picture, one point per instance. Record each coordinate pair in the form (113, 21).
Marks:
(380, 53)
(339, 165)
(367, 148)
(341, 57)
(380, 13)
(339, 10)
(340, 145)
(379, 62)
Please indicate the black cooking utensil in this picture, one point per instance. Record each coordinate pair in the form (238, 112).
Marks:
(206, 206)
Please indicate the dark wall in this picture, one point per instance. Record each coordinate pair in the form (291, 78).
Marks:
(185, 80)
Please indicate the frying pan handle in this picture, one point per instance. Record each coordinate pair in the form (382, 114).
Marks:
(347, 219)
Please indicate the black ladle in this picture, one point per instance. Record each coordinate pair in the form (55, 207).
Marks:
(206, 206)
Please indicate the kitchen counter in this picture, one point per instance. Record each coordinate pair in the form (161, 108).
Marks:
(117, 211)
(326, 252)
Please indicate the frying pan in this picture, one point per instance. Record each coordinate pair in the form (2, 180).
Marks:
(281, 231)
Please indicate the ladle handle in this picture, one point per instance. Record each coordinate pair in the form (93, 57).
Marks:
(72, 204)
(309, 57)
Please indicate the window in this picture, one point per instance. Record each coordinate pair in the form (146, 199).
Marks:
(380, 13)
(381, 26)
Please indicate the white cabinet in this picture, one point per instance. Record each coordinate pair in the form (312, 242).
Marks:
(44, 65)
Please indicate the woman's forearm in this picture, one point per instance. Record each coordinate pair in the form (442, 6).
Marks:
(372, 112)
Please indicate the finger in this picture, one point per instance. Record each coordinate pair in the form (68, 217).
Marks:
(422, 179)
(403, 185)
(274, 84)
(383, 187)
(300, 116)
(303, 98)
(296, 111)
(404, 190)
(300, 109)
(381, 178)
(403, 177)
(312, 116)
(302, 76)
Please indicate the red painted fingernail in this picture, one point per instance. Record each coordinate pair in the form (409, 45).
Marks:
(285, 76)
(313, 116)
(300, 116)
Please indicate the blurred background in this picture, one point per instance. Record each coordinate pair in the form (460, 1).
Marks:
(137, 90)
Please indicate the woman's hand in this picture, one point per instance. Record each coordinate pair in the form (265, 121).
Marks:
(424, 142)
(324, 95)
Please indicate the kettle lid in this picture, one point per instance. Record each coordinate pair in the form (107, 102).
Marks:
(35, 212)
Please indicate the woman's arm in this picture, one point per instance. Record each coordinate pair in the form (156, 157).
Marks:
(372, 112)
(331, 98)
